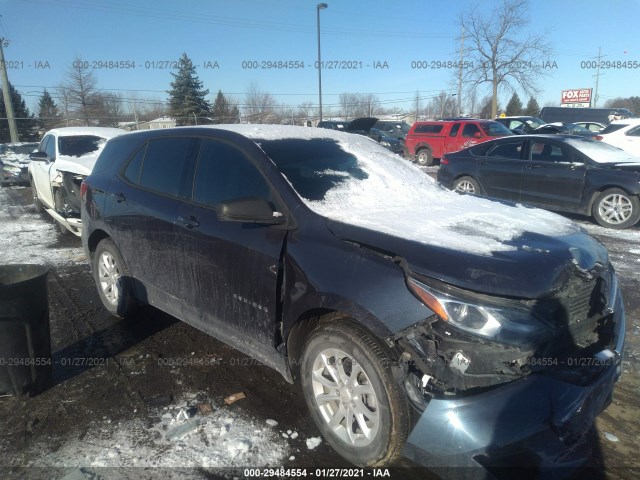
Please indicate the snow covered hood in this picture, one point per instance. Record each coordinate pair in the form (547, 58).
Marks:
(399, 199)
(82, 164)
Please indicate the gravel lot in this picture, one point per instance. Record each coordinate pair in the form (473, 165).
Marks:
(123, 391)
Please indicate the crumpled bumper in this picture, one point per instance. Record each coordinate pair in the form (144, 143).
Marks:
(537, 422)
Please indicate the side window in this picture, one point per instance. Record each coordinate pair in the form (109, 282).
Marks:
(224, 173)
(169, 164)
(48, 146)
(132, 172)
(469, 130)
(454, 130)
(634, 132)
(507, 150)
(546, 152)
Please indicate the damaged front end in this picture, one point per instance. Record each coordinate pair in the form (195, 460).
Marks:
(486, 370)
(66, 192)
(66, 196)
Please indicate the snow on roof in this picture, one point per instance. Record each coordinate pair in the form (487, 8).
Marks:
(401, 200)
(104, 132)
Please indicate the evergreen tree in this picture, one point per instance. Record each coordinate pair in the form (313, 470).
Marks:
(24, 120)
(533, 109)
(222, 112)
(48, 113)
(514, 107)
(186, 97)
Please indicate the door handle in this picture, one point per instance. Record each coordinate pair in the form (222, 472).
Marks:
(189, 221)
(120, 197)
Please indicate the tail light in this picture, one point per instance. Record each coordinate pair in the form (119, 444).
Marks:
(598, 137)
(444, 161)
(83, 191)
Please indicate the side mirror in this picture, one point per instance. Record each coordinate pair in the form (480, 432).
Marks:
(477, 135)
(249, 210)
(39, 157)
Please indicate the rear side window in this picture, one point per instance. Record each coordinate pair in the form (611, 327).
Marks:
(469, 130)
(454, 130)
(612, 128)
(225, 173)
(507, 150)
(132, 172)
(429, 128)
(634, 132)
(169, 164)
(112, 157)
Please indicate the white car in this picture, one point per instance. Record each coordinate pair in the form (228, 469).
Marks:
(624, 134)
(64, 157)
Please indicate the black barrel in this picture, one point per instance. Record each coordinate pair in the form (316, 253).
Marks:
(25, 342)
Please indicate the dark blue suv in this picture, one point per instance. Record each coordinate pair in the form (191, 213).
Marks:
(454, 330)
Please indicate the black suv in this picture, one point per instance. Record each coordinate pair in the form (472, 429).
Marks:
(464, 335)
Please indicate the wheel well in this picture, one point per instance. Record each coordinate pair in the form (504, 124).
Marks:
(597, 192)
(299, 333)
(95, 238)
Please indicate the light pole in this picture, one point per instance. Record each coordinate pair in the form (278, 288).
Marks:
(319, 7)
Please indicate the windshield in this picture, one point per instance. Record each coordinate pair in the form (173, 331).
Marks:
(353, 180)
(573, 128)
(79, 145)
(602, 152)
(495, 129)
(534, 122)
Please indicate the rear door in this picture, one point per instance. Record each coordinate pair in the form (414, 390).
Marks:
(500, 171)
(230, 275)
(552, 176)
(142, 208)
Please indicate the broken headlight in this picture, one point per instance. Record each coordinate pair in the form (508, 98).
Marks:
(502, 320)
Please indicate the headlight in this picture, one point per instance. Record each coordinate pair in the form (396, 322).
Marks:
(385, 144)
(510, 323)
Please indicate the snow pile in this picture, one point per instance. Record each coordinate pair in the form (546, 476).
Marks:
(222, 439)
(399, 199)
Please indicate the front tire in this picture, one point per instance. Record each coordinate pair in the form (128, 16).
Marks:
(113, 279)
(37, 204)
(352, 395)
(467, 185)
(615, 208)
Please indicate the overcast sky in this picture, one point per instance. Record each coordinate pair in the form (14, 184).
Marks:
(227, 39)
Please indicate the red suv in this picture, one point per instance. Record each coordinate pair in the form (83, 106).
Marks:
(428, 140)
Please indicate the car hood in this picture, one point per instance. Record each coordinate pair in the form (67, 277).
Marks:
(79, 165)
(627, 166)
(537, 267)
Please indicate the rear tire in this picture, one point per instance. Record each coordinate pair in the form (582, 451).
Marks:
(424, 157)
(113, 279)
(615, 208)
(467, 185)
(352, 395)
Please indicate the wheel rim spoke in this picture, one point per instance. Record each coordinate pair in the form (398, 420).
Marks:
(345, 397)
(615, 209)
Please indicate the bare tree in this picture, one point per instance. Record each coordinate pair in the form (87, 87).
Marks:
(80, 85)
(444, 105)
(500, 51)
(260, 106)
(348, 105)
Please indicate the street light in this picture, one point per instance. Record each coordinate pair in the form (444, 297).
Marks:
(319, 7)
